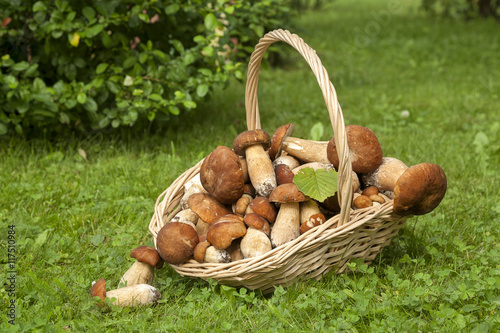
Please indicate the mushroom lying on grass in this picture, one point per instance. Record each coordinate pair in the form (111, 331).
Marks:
(136, 295)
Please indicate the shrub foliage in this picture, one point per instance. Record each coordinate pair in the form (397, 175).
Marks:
(463, 8)
(99, 64)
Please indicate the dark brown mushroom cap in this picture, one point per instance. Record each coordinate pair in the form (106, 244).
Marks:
(262, 206)
(99, 289)
(277, 139)
(419, 189)
(176, 242)
(250, 138)
(147, 255)
(287, 193)
(221, 174)
(207, 207)
(364, 149)
(258, 222)
(283, 174)
(226, 229)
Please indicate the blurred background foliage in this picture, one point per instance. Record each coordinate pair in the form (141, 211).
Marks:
(90, 65)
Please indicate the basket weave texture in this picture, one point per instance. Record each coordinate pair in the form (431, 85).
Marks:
(351, 234)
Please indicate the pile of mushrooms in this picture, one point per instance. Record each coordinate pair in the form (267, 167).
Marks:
(243, 203)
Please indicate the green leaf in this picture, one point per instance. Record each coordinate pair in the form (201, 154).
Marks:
(129, 62)
(94, 30)
(90, 105)
(81, 98)
(3, 129)
(210, 22)
(316, 131)
(178, 46)
(171, 9)
(101, 68)
(41, 239)
(128, 81)
(88, 12)
(21, 66)
(39, 6)
(317, 184)
(202, 90)
(155, 97)
(189, 104)
(115, 123)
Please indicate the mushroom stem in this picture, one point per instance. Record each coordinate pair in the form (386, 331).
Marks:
(136, 295)
(306, 150)
(260, 170)
(255, 243)
(138, 273)
(287, 225)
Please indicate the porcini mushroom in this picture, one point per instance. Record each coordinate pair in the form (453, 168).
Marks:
(135, 295)
(364, 149)
(310, 215)
(262, 206)
(304, 150)
(255, 243)
(191, 187)
(287, 225)
(226, 229)
(420, 189)
(176, 242)
(207, 207)
(221, 174)
(253, 145)
(142, 270)
(386, 175)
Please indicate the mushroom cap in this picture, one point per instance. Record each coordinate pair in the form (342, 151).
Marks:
(147, 255)
(250, 138)
(200, 250)
(277, 139)
(362, 201)
(221, 174)
(313, 221)
(419, 189)
(283, 173)
(99, 289)
(207, 207)
(262, 207)
(176, 242)
(287, 193)
(364, 149)
(226, 229)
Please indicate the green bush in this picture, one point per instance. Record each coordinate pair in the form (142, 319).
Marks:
(463, 8)
(93, 64)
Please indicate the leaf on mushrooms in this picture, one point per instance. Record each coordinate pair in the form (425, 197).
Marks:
(317, 184)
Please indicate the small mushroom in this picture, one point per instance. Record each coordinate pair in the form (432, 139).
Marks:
(283, 173)
(217, 256)
(386, 175)
(234, 250)
(310, 215)
(364, 149)
(240, 207)
(255, 243)
(419, 189)
(226, 229)
(186, 215)
(176, 242)
(258, 222)
(253, 145)
(304, 150)
(191, 187)
(287, 225)
(142, 270)
(200, 250)
(289, 160)
(262, 206)
(221, 174)
(362, 201)
(135, 295)
(207, 207)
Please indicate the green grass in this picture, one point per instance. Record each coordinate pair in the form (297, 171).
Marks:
(76, 220)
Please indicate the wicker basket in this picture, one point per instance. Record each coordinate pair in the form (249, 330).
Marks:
(356, 233)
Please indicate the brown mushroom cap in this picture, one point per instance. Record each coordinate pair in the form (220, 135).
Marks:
(277, 139)
(258, 222)
(364, 149)
(99, 289)
(250, 138)
(362, 201)
(313, 221)
(207, 207)
(226, 229)
(148, 255)
(283, 173)
(287, 193)
(262, 206)
(200, 250)
(420, 189)
(176, 242)
(221, 174)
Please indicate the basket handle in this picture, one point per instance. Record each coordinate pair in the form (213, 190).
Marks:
(344, 179)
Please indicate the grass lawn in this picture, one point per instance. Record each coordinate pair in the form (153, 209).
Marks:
(76, 219)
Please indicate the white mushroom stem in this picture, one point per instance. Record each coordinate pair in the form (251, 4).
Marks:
(186, 215)
(287, 225)
(386, 175)
(138, 273)
(255, 243)
(191, 187)
(306, 150)
(260, 170)
(289, 160)
(136, 295)
(307, 209)
(215, 255)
